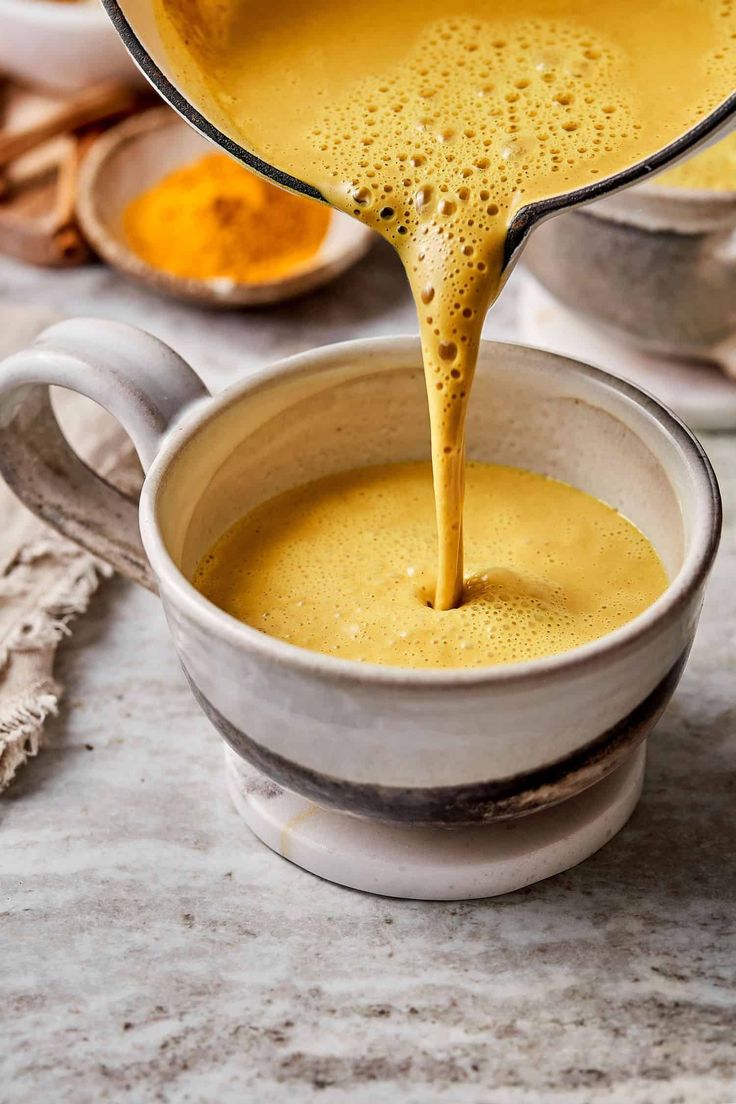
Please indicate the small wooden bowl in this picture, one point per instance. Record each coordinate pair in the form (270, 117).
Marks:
(132, 157)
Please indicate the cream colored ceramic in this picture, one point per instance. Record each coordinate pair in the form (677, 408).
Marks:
(64, 46)
(432, 864)
(653, 265)
(698, 391)
(133, 157)
(429, 747)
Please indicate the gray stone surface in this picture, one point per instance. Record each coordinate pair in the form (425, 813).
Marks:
(152, 950)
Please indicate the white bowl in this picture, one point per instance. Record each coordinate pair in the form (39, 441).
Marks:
(64, 46)
(653, 265)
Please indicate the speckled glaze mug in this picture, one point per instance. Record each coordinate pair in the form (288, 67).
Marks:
(444, 747)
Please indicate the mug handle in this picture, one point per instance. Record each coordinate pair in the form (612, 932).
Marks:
(143, 383)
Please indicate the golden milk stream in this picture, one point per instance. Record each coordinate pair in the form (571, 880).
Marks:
(436, 121)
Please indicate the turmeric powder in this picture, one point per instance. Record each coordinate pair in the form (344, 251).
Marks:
(215, 219)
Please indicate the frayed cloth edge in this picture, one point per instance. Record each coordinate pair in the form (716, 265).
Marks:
(21, 727)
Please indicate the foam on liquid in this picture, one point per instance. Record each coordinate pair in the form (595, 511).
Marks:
(340, 566)
(436, 121)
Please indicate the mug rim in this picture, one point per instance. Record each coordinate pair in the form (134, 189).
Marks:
(688, 579)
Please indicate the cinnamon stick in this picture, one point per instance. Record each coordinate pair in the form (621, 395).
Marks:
(89, 106)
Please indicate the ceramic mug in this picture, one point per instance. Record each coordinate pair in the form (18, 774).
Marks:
(432, 747)
(654, 265)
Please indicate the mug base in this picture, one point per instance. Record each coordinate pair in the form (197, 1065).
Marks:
(699, 392)
(435, 864)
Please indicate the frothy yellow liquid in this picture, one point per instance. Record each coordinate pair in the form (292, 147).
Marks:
(436, 121)
(713, 170)
(340, 566)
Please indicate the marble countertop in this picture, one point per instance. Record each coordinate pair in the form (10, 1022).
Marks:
(153, 950)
